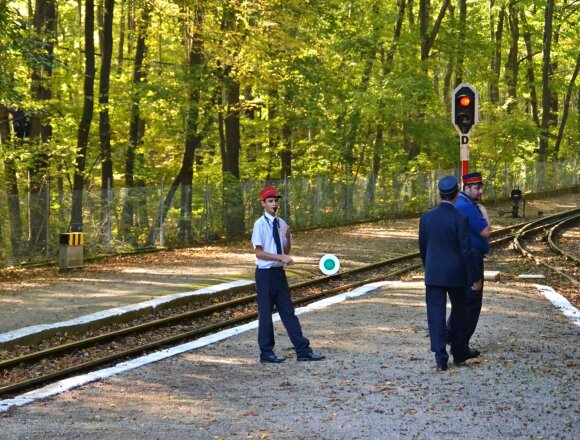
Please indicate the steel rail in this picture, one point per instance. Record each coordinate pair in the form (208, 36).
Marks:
(211, 309)
(141, 328)
(216, 308)
(555, 231)
(571, 215)
(534, 226)
(9, 389)
(27, 384)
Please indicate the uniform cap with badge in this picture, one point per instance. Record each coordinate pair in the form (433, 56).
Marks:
(448, 185)
(472, 178)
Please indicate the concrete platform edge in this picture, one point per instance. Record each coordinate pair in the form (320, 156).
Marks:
(37, 333)
(560, 303)
(75, 382)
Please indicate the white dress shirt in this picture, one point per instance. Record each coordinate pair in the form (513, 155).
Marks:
(262, 235)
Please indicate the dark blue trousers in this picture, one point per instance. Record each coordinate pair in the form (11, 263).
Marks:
(436, 299)
(273, 290)
(473, 303)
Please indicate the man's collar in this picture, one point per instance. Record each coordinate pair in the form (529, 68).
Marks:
(467, 196)
(268, 216)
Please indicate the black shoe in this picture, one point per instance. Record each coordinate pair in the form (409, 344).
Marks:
(471, 354)
(272, 359)
(442, 367)
(310, 357)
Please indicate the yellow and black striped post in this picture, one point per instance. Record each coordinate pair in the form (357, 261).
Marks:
(71, 250)
(72, 238)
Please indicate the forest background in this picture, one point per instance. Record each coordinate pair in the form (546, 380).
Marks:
(120, 116)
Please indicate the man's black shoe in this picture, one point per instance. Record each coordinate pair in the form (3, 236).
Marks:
(272, 359)
(442, 367)
(471, 354)
(310, 357)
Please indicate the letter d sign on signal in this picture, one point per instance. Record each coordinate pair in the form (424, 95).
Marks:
(464, 147)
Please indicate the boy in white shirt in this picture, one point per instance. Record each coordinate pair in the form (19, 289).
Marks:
(272, 242)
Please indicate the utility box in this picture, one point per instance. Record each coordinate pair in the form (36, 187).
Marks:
(71, 250)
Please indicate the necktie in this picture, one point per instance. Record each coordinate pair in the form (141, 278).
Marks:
(276, 236)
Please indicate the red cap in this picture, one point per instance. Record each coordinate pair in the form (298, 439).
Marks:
(472, 178)
(268, 192)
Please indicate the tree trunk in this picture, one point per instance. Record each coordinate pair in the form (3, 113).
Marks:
(512, 64)
(86, 119)
(233, 202)
(120, 46)
(136, 128)
(375, 166)
(497, 39)
(353, 124)
(233, 215)
(192, 138)
(387, 67)
(567, 99)
(40, 128)
(286, 152)
(546, 71)
(427, 40)
(530, 70)
(107, 181)
(554, 101)
(11, 186)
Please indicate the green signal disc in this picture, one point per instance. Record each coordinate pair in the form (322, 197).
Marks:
(329, 264)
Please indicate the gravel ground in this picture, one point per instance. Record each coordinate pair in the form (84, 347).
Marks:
(379, 382)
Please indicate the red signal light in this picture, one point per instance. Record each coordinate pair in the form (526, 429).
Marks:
(464, 101)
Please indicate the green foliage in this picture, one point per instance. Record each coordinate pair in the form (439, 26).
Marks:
(15, 44)
(314, 77)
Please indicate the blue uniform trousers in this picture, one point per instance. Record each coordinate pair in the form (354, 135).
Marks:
(273, 290)
(436, 299)
(473, 303)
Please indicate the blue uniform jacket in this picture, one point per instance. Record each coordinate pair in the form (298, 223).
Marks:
(477, 222)
(445, 247)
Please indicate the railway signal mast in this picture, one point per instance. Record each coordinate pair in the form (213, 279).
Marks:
(464, 116)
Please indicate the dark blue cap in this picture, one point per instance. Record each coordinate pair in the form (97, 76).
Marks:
(448, 185)
(472, 178)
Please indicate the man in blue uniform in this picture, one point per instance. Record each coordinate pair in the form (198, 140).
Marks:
(479, 232)
(447, 257)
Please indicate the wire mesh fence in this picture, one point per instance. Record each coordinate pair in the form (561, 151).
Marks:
(128, 219)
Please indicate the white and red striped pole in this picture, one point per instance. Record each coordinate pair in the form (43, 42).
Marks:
(464, 153)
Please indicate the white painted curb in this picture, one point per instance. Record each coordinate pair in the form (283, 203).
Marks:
(118, 311)
(75, 382)
(560, 303)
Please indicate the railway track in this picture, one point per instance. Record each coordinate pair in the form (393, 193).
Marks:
(539, 243)
(24, 368)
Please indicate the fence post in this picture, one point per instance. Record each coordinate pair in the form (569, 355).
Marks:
(109, 216)
(161, 213)
(206, 209)
(47, 247)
